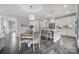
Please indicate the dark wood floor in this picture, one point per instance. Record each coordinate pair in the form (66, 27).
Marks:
(66, 45)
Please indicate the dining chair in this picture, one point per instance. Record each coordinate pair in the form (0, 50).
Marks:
(36, 39)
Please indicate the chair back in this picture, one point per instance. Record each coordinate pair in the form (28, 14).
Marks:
(37, 35)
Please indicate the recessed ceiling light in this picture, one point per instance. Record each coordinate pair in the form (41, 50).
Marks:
(65, 6)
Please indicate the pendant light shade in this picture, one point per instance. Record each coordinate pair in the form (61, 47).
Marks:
(31, 17)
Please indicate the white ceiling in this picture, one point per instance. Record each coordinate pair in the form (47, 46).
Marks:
(44, 9)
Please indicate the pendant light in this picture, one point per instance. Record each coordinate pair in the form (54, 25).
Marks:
(31, 16)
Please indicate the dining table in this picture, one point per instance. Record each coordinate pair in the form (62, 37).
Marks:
(27, 37)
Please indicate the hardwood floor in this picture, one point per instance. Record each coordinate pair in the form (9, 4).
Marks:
(66, 45)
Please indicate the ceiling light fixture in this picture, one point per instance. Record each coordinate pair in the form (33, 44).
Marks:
(31, 16)
(65, 6)
(50, 15)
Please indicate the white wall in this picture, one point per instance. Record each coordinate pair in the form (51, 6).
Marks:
(67, 21)
(0, 26)
(78, 25)
(24, 21)
(20, 20)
